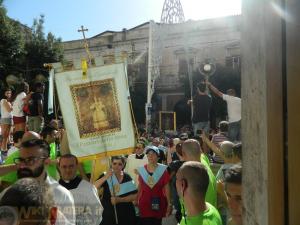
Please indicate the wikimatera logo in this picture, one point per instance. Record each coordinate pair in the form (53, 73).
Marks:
(8, 215)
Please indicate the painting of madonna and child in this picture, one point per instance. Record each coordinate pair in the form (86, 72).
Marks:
(96, 108)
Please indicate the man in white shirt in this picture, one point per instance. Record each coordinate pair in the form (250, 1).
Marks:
(34, 156)
(135, 161)
(233, 110)
(87, 203)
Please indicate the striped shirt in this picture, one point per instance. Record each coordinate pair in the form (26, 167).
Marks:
(217, 139)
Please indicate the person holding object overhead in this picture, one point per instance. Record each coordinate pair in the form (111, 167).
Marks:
(201, 102)
(233, 110)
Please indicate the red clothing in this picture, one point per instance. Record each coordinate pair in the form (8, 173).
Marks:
(147, 193)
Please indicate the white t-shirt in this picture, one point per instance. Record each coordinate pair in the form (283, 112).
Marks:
(4, 112)
(18, 105)
(233, 108)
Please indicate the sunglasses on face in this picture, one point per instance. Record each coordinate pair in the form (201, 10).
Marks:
(28, 161)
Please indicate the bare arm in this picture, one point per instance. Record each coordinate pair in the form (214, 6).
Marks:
(7, 105)
(4, 169)
(169, 155)
(214, 90)
(168, 196)
(129, 198)
(27, 98)
(100, 181)
(168, 193)
(212, 146)
(205, 148)
(40, 107)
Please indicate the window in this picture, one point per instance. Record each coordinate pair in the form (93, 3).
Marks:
(233, 61)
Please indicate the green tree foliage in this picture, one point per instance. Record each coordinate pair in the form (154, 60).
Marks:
(24, 50)
(41, 49)
(11, 43)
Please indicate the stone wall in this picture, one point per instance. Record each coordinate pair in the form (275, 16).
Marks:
(213, 38)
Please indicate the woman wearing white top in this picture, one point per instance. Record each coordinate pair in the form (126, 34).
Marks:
(18, 100)
(6, 118)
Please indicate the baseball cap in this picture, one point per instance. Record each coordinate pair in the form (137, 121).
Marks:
(152, 148)
(183, 136)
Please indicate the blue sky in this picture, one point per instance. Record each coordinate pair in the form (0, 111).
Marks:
(64, 17)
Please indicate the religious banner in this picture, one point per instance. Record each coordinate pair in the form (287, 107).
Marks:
(96, 111)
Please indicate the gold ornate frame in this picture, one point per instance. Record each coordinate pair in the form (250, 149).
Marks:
(161, 113)
(90, 85)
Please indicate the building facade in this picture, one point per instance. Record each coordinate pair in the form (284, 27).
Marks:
(190, 42)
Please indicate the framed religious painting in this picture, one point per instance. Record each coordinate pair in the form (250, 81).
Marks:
(167, 121)
(96, 111)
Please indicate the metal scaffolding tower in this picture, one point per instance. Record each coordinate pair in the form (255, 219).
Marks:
(172, 12)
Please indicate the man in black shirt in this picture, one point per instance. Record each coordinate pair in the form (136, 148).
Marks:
(201, 108)
(36, 104)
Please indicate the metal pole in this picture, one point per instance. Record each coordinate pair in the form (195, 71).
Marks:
(109, 166)
(114, 195)
(149, 82)
(190, 76)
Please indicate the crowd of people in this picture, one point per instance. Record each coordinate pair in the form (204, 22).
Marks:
(194, 177)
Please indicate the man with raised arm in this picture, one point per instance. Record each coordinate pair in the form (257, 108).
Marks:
(233, 110)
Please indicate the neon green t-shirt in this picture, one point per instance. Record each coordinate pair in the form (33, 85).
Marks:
(12, 176)
(211, 193)
(210, 216)
(87, 166)
(51, 169)
(204, 158)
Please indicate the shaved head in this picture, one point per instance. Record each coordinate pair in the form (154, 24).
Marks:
(196, 176)
(191, 149)
(30, 135)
